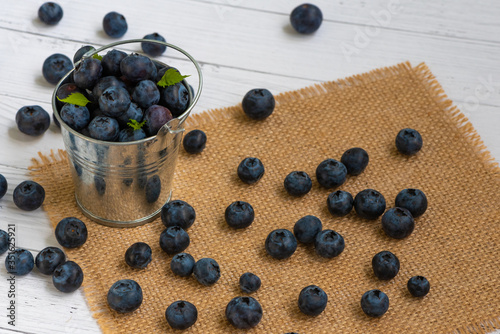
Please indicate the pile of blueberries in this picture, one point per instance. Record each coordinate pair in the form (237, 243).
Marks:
(126, 104)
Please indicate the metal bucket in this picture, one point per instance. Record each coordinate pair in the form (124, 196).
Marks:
(125, 184)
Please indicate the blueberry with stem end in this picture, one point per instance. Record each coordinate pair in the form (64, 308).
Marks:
(32, 120)
(28, 195)
(374, 303)
(250, 170)
(48, 259)
(297, 183)
(258, 103)
(181, 314)
(239, 214)
(67, 277)
(125, 296)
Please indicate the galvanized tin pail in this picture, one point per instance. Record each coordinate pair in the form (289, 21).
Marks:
(125, 184)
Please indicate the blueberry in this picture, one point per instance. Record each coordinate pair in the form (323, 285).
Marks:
(306, 18)
(239, 214)
(19, 262)
(329, 244)
(81, 51)
(48, 259)
(138, 255)
(104, 128)
(129, 134)
(4, 241)
(206, 271)
(28, 195)
(76, 117)
(136, 67)
(66, 90)
(194, 142)
(3, 185)
(71, 232)
(114, 24)
(55, 67)
(153, 189)
(178, 213)
(244, 312)
(409, 141)
(175, 98)
(182, 264)
(156, 116)
(369, 204)
(105, 83)
(250, 170)
(133, 112)
(258, 103)
(146, 94)
(374, 303)
(281, 244)
(50, 13)
(355, 160)
(339, 203)
(306, 229)
(174, 240)
(111, 62)
(67, 277)
(87, 73)
(32, 120)
(398, 223)
(114, 101)
(249, 282)
(297, 183)
(385, 265)
(331, 173)
(312, 300)
(181, 314)
(418, 286)
(125, 296)
(413, 200)
(154, 49)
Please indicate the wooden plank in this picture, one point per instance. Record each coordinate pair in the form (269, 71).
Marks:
(455, 19)
(42, 309)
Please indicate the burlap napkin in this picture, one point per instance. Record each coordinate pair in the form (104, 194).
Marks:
(455, 243)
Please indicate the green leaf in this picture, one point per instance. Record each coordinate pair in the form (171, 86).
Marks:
(135, 125)
(75, 98)
(171, 77)
(96, 56)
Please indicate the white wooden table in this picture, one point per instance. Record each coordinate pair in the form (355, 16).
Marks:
(241, 44)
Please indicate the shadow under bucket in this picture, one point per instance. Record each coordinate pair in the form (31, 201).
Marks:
(125, 184)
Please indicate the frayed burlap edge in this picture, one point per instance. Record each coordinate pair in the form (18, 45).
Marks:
(423, 74)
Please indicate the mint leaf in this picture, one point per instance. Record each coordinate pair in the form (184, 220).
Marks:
(171, 77)
(135, 125)
(75, 98)
(96, 56)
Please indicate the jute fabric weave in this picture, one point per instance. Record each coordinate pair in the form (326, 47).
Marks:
(455, 244)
